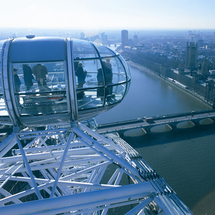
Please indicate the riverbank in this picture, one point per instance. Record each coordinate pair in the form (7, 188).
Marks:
(189, 92)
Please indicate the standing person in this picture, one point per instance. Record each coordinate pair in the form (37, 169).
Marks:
(16, 80)
(40, 73)
(108, 79)
(28, 77)
(81, 78)
(108, 75)
(80, 74)
(108, 64)
(76, 63)
(100, 79)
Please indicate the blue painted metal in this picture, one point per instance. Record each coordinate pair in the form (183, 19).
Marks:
(37, 49)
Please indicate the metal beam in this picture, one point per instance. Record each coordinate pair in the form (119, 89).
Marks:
(82, 198)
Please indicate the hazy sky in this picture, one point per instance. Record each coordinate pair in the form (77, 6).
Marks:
(97, 14)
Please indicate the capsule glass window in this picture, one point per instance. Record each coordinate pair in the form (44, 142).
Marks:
(104, 51)
(125, 65)
(87, 73)
(90, 98)
(83, 49)
(39, 88)
(117, 70)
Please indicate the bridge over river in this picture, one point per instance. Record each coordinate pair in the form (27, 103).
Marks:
(173, 121)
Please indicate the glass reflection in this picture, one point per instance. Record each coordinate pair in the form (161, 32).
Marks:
(98, 97)
(89, 100)
(104, 51)
(126, 67)
(117, 68)
(98, 81)
(83, 49)
(118, 92)
(39, 88)
(86, 72)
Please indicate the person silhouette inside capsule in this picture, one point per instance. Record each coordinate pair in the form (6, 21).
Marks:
(17, 81)
(81, 74)
(28, 77)
(40, 73)
(108, 75)
(109, 72)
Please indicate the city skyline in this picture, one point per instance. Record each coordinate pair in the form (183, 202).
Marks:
(126, 14)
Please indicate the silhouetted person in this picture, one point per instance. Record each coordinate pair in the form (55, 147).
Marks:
(16, 80)
(76, 63)
(108, 75)
(81, 78)
(40, 73)
(108, 64)
(28, 77)
(100, 79)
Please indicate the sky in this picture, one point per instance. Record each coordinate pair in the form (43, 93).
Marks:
(108, 14)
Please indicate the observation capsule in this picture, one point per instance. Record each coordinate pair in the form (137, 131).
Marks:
(51, 80)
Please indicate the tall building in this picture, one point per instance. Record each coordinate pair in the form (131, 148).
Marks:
(191, 56)
(124, 37)
(200, 43)
(104, 38)
(82, 35)
(135, 39)
(205, 68)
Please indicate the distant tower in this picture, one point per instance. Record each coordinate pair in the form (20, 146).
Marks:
(191, 56)
(135, 39)
(209, 91)
(124, 37)
(104, 38)
(82, 35)
(200, 43)
(205, 68)
(189, 33)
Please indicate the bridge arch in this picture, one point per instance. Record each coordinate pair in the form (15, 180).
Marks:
(185, 124)
(206, 121)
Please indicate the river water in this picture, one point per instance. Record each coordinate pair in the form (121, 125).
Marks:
(150, 96)
(185, 158)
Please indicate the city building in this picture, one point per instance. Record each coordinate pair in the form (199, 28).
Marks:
(200, 43)
(191, 56)
(124, 37)
(82, 35)
(104, 38)
(205, 68)
(135, 39)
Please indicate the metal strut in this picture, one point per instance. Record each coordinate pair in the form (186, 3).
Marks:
(75, 170)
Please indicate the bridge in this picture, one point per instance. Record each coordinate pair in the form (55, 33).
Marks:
(173, 121)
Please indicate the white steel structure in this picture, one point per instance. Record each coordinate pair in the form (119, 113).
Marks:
(75, 170)
(53, 164)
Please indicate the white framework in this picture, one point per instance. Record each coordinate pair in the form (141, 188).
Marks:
(75, 170)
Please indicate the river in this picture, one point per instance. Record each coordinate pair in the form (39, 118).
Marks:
(185, 158)
(150, 96)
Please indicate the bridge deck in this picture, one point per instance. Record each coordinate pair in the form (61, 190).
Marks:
(153, 121)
